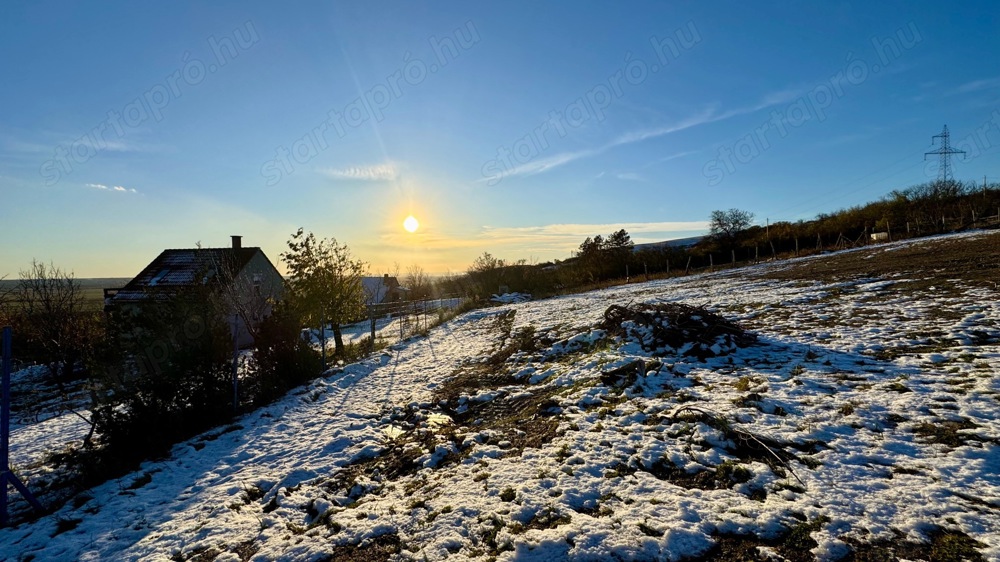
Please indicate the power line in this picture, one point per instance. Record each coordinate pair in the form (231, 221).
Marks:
(837, 194)
(945, 152)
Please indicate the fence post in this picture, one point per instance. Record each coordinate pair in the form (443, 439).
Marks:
(236, 364)
(6, 475)
(371, 317)
(322, 338)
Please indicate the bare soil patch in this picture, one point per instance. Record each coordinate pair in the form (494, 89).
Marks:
(974, 261)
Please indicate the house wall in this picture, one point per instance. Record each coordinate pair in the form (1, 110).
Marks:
(252, 294)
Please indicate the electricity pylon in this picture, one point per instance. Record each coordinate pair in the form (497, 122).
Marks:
(945, 152)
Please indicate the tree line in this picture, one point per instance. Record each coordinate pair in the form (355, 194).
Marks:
(735, 237)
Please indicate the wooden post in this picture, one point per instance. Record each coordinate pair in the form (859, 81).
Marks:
(371, 318)
(756, 254)
(796, 247)
(236, 364)
(688, 266)
(734, 256)
(711, 264)
(322, 338)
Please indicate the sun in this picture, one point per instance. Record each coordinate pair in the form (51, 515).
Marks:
(411, 224)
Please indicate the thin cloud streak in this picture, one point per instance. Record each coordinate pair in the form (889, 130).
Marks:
(376, 172)
(706, 116)
(117, 188)
(584, 230)
(977, 86)
(554, 240)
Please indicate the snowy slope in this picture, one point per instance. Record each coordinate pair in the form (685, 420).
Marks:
(880, 403)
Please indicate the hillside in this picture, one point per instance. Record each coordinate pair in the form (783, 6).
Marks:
(850, 413)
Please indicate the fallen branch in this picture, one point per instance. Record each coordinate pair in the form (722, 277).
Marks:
(721, 424)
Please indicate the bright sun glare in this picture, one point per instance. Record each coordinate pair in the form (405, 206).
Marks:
(411, 224)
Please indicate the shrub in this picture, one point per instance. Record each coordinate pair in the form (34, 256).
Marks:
(166, 374)
(282, 359)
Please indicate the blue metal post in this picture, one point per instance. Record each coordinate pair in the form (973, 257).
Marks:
(6, 476)
(5, 426)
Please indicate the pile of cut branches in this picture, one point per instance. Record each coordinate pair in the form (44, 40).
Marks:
(676, 328)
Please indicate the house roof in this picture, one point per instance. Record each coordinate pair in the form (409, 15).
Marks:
(175, 269)
(377, 288)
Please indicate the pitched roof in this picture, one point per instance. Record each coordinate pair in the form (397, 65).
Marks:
(175, 269)
(376, 288)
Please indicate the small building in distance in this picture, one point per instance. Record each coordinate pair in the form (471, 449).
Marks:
(382, 290)
(245, 277)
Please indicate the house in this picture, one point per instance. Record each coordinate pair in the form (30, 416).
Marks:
(382, 290)
(245, 276)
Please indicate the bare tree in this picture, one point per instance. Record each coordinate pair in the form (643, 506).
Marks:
(417, 282)
(727, 226)
(53, 317)
(245, 295)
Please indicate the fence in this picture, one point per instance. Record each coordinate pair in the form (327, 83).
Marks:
(388, 323)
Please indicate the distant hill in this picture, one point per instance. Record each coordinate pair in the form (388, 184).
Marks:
(676, 243)
(93, 287)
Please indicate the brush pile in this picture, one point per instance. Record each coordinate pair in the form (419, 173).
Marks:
(665, 329)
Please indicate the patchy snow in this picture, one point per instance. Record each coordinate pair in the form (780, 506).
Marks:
(508, 298)
(880, 404)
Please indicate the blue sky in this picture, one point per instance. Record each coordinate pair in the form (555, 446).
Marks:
(514, 128)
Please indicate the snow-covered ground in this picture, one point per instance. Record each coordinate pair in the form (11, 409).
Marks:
(507, 434)
(409, 319)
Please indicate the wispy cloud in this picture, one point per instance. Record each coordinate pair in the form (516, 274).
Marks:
(117, 188)
(708, 115)
(578, 230)
(677, 155)
(540, 165)
(441, 251)
(630, 176)
(977, 86)
(376, 172)
(553, 240)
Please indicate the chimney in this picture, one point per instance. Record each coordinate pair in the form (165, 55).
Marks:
(237, 242)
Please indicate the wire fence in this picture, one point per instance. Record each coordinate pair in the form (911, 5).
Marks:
(388, 323)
